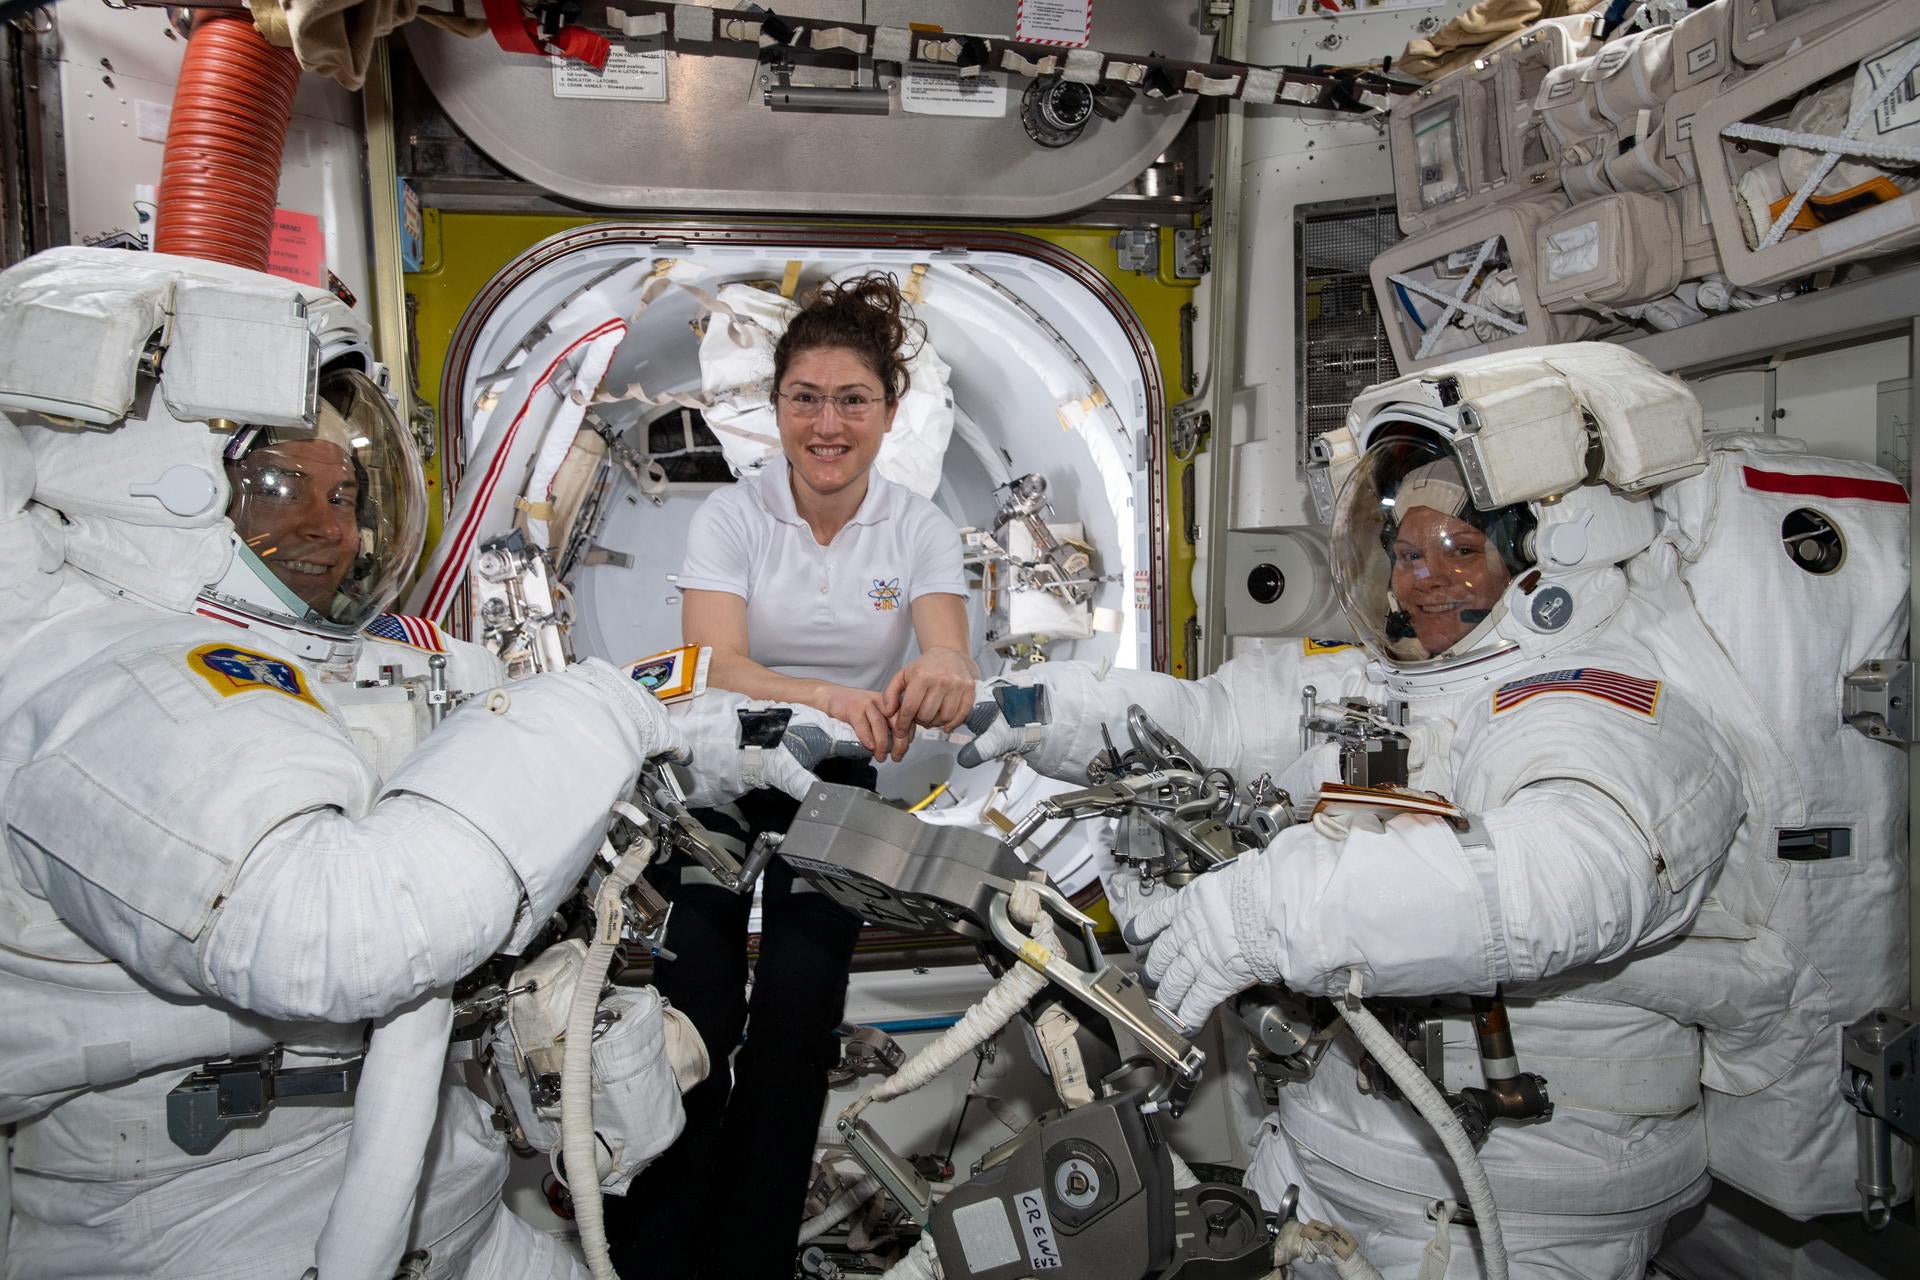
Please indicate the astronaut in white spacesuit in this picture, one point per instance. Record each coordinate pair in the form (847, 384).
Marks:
(1543, 698)
(219, 847)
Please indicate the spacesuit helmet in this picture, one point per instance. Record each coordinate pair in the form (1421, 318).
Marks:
(1421, 572)
(328, 522)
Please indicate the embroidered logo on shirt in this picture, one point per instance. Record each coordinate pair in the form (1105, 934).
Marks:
(1632, 692)
(231, 670)
(1310, 647)
(885, 595)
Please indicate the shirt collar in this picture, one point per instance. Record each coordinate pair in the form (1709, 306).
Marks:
(776, 495)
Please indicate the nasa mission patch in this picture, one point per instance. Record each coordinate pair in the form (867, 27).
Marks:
(232, 671)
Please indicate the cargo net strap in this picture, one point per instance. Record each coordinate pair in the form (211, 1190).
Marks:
(1455, 303)
(1834, 149)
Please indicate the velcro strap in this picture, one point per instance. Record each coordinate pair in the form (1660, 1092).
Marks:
(751, 767)
(1083, 66)
(1021, 65)
(892, 44)
(693, 22)
(1212, 86)
(1262, 86)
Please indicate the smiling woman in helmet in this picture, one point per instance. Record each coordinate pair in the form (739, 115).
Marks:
(1441, 586)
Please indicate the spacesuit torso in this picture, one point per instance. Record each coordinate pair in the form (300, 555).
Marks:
(204, 732)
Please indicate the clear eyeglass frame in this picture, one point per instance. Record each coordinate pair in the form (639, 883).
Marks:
(854, 407)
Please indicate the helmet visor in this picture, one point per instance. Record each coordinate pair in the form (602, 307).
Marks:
(1421, 573)
(335, 515)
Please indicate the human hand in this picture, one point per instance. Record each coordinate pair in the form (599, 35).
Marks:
(1201, 954)
(935, 689)
(864, 712)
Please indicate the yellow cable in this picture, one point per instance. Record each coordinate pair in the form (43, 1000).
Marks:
(932, 795)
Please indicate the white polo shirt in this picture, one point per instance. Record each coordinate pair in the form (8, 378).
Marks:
(838, 612)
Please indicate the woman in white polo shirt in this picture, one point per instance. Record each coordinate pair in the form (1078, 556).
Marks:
(809, 580)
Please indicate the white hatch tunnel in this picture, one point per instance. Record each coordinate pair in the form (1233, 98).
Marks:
(1048, 365)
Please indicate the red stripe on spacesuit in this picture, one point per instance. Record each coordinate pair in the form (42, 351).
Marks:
(455, 567)
(1825, 486)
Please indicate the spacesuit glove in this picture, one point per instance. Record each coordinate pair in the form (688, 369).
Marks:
(1009, 717)
(725, 766)
(658, 732)
(1211, 940)
(1127, 899)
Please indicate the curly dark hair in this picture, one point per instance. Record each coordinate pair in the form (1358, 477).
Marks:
(866, 316)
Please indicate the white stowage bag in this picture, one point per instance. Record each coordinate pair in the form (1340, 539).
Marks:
(1790, 631)
(736, 378)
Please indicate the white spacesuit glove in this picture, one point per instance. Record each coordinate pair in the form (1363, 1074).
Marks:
(781, 747)
(1211, 940)
(1127, 899)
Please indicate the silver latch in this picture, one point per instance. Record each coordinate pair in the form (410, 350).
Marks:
(1877, 699)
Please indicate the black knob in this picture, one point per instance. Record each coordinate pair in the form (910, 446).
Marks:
(1266, 583)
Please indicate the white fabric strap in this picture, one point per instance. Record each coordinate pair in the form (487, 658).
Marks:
(693, 22)
(636, 25)
(940, 51)
(1300, 92)
(838, 38)
(1262, 86)
(892, 44)
(742, 29)
(1029, 67)
(1439, 1250)
(1212, 86)
(752, 766)
(1083, 66)
(1126, 72)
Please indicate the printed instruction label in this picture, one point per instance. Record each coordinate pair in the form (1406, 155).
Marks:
(931, 90)
(1901, 106)
(1036, 1231)
(985, 1236)
(1066, 22)
(635, 77)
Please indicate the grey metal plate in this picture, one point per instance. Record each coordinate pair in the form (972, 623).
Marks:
(714, 145)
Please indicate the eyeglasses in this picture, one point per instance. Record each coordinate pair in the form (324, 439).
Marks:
(855, 406)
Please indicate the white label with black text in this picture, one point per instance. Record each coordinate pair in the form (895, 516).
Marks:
(936, 91)
(1036, 1231)
(635, 77)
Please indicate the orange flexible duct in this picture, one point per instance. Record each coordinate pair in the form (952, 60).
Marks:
(221, 176)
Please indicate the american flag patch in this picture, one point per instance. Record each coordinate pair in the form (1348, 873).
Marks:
(1632, 692)
(401, 629)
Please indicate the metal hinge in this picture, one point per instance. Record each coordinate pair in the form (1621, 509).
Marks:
(1878, 699)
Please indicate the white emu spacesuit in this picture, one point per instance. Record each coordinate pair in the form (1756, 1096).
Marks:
(1610, 881)
(219, 843)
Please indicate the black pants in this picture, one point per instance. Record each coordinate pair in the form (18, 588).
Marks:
(724, 1202)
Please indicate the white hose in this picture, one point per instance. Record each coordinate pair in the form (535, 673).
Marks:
(394, 1109)
(981, 1023)
(1307, 1241)
(844, 1206)
(577, 1140)
(1426, 1099)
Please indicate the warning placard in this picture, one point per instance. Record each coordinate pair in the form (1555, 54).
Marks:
(1063, 22)
(299, 248)
(635, 77)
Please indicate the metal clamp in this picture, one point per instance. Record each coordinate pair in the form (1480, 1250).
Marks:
(1877, 699)
(1117, 996)
(220, 1095)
